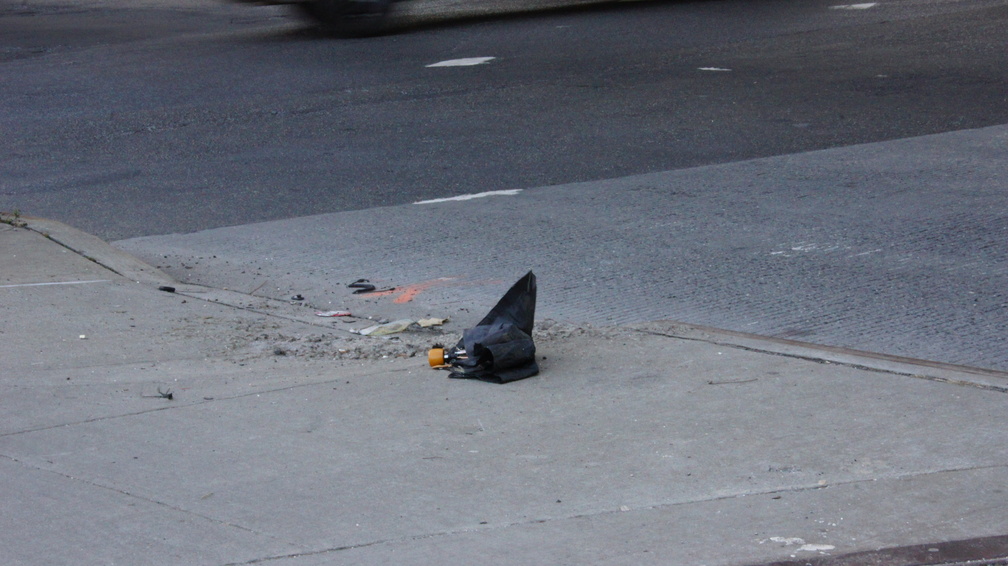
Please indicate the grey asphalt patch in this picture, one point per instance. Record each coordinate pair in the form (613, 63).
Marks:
(842, 247)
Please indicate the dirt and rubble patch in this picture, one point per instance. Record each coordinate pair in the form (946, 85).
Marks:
(265, 336)
(335, 346)
(341, 344)
(251, 336)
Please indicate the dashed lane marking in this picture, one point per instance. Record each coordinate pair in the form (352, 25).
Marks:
(467, 62)
(863, 6)
(508, 192)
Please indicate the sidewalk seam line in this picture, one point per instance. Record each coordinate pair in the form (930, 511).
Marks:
(177, 406)
(125, 493)
(49, 283)
(464, 530)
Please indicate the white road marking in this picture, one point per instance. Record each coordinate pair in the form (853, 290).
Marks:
(864, 6)
(509, 192)
(468, 62)
(53, 283)
(715, 69)
(815, 547)
(869, 252)
(787, 541)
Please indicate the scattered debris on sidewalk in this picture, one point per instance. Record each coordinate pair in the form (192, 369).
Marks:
(395, 326)
(166, 288)
(161, 395)
(333, 313)
(499, 348)
(387, 328)
(334, 346)
(363, 286)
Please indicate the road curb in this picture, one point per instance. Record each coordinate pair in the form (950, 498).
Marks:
(97, 250)
(134, 269)
(983, 378)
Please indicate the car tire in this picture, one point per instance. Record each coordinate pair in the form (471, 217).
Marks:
(354, 18)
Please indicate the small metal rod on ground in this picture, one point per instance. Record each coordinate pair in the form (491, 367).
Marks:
(731, 381)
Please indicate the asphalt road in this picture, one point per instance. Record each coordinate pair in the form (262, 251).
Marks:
(128, 120)
(135, 122)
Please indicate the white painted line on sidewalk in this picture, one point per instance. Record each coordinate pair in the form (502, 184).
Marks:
(864, 6)
(714, 69)
(467, 62)
(54, 283)
(508, 192)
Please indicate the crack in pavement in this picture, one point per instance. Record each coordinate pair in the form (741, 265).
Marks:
(132, 495)
(177, 405)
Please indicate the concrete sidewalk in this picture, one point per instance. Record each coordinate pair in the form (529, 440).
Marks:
(288, 440)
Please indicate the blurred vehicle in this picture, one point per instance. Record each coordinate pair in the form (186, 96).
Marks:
(343, 17)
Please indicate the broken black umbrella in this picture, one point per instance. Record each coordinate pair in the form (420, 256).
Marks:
(500, 348)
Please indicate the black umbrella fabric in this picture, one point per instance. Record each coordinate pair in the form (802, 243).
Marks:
(500, 348)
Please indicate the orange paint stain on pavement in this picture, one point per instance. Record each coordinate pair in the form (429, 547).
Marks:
(407, 293)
